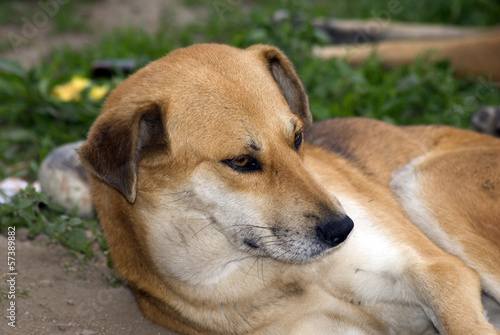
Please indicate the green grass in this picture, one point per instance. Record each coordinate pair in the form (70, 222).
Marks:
(455, 12)
(422, 93)
(33, 122)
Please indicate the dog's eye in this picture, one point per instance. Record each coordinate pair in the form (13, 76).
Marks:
(243, 163)
(298, 140)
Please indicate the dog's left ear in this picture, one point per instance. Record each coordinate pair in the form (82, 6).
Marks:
(119, 139)
(287, 79)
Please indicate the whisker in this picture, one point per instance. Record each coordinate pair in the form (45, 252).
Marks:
(251, 267)
(248, 226)
(239, 260)
(187, 194)
(212, 221)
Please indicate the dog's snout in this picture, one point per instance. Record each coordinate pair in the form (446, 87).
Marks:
(334, 231)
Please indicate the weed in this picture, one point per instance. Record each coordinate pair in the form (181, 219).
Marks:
(114, 282)
(35, 212)
(5, 289)
(4, 292)
(421, 93)
(453, 12)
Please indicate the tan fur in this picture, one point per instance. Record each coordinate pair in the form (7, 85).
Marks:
(210, 249)
(469, 56)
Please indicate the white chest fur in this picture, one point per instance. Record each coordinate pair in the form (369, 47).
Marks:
(370, 270)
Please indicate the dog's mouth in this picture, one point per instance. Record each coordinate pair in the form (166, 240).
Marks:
(250, 224)
(291, 245)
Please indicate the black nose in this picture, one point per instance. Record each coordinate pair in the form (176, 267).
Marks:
(334, 231)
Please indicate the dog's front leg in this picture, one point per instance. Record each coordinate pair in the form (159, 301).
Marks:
(324, 324)
(451, 295)
(387, 260)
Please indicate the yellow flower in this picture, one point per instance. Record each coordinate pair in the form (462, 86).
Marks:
(79, 83)
(98, 92)
(63, 92)
(71, 90)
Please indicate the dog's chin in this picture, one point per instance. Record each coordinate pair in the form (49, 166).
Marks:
(287, 251)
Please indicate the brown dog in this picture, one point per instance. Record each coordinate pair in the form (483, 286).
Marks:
(223, 222)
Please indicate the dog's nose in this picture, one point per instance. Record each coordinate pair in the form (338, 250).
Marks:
(334, 231)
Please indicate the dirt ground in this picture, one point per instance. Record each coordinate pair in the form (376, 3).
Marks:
(55, 292)
(102, 16)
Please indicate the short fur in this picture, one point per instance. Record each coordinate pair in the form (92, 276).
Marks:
(212, 248)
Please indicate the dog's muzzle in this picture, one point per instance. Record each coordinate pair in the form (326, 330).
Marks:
(333, 232)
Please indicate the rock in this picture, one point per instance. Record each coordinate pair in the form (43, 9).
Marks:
(63, 326)
(11, 186)
(22, 234)
(487, 121)
(63, 177)
(45, 283)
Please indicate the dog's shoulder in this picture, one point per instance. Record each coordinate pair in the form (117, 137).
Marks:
(374, 147)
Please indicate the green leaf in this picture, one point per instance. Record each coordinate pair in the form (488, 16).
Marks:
(102, 242)
(75, 239)
(36, 227)
(11, 67)
(75, 221)
(7, 208)
(24, 203)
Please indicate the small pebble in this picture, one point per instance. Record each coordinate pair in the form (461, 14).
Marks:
(45, 283)
(63, 326)
(22, 234)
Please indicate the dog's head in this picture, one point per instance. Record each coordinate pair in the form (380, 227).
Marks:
(198, 159)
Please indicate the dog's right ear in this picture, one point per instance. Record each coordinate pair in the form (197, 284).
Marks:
(288, 81)
(118, 139)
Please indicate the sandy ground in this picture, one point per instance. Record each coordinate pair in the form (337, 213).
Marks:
(56, 293)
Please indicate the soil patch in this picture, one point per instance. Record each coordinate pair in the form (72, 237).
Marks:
(56, 293)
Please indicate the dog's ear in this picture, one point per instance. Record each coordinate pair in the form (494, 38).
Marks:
(287, 79)
(117, 141)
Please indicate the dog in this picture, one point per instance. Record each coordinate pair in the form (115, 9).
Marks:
(227, 211)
